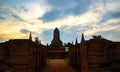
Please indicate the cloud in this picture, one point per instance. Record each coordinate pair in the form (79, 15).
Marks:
(72, 18)
(107, 26)
(110, 15)
(63, 8)
(2, 18)
(114, 37)
(86, 18)
(9, 30)
(27, 10)
(8, 13)
(47, 35)
(24, 31)
(51, 16)
(4, 13)
(21, 17)
(17, 17)
(34, 10)
(89, 21)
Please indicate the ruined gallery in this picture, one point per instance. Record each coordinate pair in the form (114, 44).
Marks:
(95, 55)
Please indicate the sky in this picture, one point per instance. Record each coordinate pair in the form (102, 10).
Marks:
(72, 17)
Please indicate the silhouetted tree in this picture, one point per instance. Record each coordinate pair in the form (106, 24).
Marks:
(97, 37)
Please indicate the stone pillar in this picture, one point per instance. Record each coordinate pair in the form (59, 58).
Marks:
(83, 56)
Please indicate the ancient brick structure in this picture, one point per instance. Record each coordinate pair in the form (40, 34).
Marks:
(74, 55)
(56, 38)
(56, 50)
(22, 55)
(95, 55)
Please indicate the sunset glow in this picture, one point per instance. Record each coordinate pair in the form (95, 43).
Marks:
(91, 17)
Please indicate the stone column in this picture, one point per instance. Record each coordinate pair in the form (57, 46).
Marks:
(83, 56)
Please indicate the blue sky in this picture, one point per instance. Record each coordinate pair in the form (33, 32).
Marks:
(73, 17)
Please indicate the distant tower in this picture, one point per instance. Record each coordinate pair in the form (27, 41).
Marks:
(37, 40)
(82, 38)
(56, 38)
(30, 37)
(76, 42)
(72, 43)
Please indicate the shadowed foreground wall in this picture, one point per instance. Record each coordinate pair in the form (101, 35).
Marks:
(21, 55)
(95, 55)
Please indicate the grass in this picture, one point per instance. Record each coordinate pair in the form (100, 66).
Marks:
(48, 60)
(66, 60)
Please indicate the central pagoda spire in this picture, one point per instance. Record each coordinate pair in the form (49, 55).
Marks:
(56, 38)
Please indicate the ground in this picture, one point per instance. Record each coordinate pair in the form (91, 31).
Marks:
(58, 65)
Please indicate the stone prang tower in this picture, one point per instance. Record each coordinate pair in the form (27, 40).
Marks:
(56, 38)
